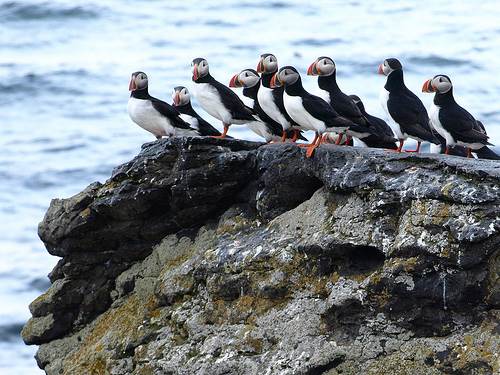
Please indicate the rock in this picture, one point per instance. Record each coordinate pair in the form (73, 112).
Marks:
(215, 256)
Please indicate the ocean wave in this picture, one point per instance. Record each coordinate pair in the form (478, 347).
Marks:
(318, 42)
(10, 332)
(38, 83)
(19, 11)
(434, 60)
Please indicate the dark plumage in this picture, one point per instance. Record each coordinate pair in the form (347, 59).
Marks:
(404, 107)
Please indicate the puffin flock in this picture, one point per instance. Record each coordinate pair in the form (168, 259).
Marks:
(279, 109)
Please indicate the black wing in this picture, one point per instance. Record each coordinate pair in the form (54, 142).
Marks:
(410, 113)
(170, 112)
(233, 103)
(461, 124)
(346, 107)
(323, 111)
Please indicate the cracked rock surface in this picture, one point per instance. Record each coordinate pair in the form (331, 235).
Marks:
(205, 256)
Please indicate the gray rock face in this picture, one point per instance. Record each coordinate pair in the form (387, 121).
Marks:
(205, 256)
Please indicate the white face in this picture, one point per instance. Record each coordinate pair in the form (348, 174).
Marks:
(386, 68)
(181, 96)
(441, 84)
(270, 64)
(248, 78)
(288, 76)
(201, 68)
(140, 81)
(325, 66)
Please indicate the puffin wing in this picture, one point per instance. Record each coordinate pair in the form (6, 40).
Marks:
(171, 113)
(462, 125)
(321, 110)
(410, 113)
(346, 107)
(233, 103)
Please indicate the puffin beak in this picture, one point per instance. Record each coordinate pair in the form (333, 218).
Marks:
(177, 99)
(427, 87)
(275, 81)
(312, 70)
(260, 66)
(380, 69)
(234, 82)
(195, 72)
(132, 86)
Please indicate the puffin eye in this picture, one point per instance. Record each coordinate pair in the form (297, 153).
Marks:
(440, 79)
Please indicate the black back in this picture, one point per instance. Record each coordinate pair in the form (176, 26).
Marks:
(457, 121)
(341, 102)
(407, 109)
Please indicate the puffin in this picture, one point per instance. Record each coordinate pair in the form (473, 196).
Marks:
(267, 128)
(309, 111)
(324, 67)
(271, 99)
(182, 102)
(385, 136)
(450, 120)
(217, 99)
(405, 110)
(154, 115)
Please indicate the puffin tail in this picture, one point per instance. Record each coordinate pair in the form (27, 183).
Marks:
(487, 153)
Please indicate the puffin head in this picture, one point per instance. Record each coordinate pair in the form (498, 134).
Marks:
(389, 65)
(245, 78)
(138, 81)
(440, 84)
(180, 96)
(268, 63)
(286, 76)
(323, 66)
(200, 68)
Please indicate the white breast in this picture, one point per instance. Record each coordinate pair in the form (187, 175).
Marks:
(143, 114)
(325, 95)
(294, 107)
(261, 130)
(192, 121)
(384, 98)
(266, 101)
(436, 124)
(210, 101)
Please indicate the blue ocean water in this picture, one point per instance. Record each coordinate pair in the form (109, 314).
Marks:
(65, 66)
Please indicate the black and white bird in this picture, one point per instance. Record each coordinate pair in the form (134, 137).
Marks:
(325, 68)
(217, 99)
(450, 120)
(154, 115)
(384, 137)
(406, 112)
(310, 112)
(182, 102)
(271, 99)
(266, 127)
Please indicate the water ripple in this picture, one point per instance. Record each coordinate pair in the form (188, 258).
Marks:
(20, 11)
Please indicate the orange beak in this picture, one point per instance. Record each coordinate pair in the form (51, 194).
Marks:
(275, 81)
(380, 69)
(260, 66)
(131, 85)
(195, 72)
(312, 70)
(427, 87)
(177, 99)
(234, 82)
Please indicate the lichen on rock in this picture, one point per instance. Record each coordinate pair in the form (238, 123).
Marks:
(204, 256)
